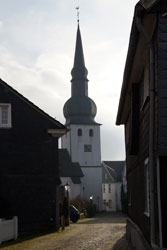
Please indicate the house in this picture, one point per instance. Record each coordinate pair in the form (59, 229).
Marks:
(83, 139)
(143, 111)
(29, 172)
(70, 174)
(112, 181)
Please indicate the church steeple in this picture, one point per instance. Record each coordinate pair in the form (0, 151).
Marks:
(79, 109)
(79, 70)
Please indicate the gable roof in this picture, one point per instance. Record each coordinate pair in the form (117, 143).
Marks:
(114, 171)
(67, 168)
(15, 92)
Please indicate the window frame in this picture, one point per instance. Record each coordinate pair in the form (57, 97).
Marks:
(9, 119)
(91, 132)
(146, 188)
(79, 132)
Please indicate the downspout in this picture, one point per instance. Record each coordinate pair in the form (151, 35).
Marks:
(139, 14)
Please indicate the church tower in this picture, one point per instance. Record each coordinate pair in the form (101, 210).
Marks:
(83, 139)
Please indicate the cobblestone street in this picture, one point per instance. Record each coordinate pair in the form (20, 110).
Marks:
(98, 233)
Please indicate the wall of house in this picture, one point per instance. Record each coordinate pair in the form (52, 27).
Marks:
(162, 86)
(162, 126)
(29, 174)
(135, 159)
(110, 197)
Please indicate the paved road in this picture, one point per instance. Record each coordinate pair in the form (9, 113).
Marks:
(98, 233)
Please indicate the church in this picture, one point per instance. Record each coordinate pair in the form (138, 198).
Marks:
(82, 142)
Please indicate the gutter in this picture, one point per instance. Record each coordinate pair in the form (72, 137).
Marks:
(139, 14)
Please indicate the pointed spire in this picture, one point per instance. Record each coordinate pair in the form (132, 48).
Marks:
(79, 70)
(79, 109)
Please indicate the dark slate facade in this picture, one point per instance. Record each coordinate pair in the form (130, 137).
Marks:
(143, 111)
(162, 85)
(162, 119)
(29, 172)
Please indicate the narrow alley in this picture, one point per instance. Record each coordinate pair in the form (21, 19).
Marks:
(102, 232)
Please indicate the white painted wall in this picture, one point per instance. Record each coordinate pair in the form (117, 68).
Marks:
(109, 196)
(114, 196)
(75, 145)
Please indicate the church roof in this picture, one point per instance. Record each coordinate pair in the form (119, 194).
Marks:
(67, 168)
(112, 171)
(79, 70)
(79, 109)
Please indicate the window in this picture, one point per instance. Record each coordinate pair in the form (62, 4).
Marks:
(146, 83)
(147, 188)
(106, 176)
(79, 132)
(109, 188)
(104, 188)
(110, 203)
(135, 114)
(91, 132)
(5, 115)
(87, 148)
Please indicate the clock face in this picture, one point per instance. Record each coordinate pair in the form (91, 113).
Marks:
(87, 148)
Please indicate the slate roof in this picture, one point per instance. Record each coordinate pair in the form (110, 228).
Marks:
(68, 168)
(79, 109)
(15, 92)
(113, 170)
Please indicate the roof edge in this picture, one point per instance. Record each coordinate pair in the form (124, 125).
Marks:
(57, 123)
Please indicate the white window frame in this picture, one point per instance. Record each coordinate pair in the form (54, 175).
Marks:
(147, 188)
(9, 123)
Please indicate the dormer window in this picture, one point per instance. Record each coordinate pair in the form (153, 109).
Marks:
(79, 132)
(5, 115)
(91, 132)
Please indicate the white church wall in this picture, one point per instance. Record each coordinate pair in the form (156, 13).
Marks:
(92, 184)
(83, 149)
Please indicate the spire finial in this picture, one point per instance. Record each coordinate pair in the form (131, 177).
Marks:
(77, 8)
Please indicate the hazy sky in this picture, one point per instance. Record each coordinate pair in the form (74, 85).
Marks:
(37, 43)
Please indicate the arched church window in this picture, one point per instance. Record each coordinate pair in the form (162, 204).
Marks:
(79, 132)
(91, 132)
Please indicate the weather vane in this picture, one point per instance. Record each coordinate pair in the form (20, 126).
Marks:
(77, 8)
